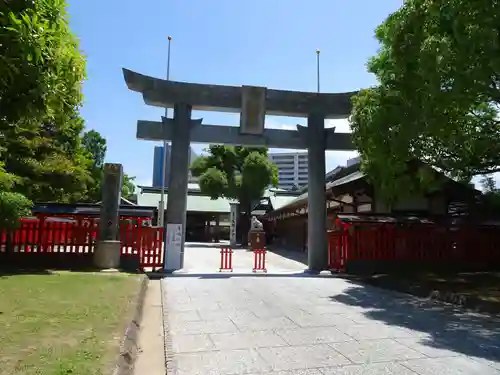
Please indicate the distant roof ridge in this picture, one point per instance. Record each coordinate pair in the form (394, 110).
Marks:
(347, 170)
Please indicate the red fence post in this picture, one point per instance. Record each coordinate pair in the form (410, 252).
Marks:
(259, 260)
(331, 247)
(226, 259)
(158, 246)
(334, 250)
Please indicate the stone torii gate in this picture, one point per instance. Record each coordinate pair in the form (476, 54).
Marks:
(253, 103)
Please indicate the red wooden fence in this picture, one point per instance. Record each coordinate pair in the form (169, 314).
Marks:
(472, 247)
(78, 235)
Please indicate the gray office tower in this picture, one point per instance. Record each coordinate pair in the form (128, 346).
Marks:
(158, 165)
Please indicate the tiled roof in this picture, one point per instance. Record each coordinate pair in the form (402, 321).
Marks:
(195, 203)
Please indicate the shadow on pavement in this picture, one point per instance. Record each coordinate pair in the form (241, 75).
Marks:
(208, 245)
(228, 275)
(297, 256)
(449, 327)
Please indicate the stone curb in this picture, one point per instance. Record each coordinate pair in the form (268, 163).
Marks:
(170, 363)
(128, 349)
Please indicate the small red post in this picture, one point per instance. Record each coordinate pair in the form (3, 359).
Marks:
(259, 260)
(226, 259)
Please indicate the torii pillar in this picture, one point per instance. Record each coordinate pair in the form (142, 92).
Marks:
(314, 136)
(253, 103)
(182, 124)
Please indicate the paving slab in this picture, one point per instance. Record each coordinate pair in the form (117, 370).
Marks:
(291, 325)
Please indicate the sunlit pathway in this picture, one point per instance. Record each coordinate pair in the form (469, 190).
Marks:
(205, 258)
(285, 324)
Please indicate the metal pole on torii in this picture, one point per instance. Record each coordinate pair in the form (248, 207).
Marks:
(161, 209)
(317, 67)
(314, 136)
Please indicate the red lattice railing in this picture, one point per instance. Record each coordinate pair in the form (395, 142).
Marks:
(474, 248)
(77, 235)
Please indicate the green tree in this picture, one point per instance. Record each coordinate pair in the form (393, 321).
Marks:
(95, 146)
(13, 205)
(239, 173)
(488, 184)
(41, 75)
(128, 187)
(439, 72)
(491, 196)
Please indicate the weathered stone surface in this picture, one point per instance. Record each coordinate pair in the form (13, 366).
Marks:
(372, 351)
(163, 93)
(273, 138)
(107, 255)
(110, 203)
(371, 369)
(253, 110)
(317, 242)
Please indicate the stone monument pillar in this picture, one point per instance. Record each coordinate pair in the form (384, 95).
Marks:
(233, 221)
(108, 250)
(178, 186)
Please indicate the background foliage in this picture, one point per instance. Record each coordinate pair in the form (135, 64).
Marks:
(239, 173)
(439, 72)
(42, 153)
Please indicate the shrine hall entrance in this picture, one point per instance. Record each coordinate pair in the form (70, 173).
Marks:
(210, 227)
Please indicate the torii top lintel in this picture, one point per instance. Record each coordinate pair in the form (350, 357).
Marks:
(162, 93)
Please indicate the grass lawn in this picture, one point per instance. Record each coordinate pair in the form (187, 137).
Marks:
(64, 322)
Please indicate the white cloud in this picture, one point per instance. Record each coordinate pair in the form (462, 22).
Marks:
(273, 124)
(341, 126)
(477, 180)
(335, 158)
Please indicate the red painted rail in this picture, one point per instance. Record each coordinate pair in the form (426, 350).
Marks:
(226, 259)
(78, 235)
(477, 246)
(259, 260)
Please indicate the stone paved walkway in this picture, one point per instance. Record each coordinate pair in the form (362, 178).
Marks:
(288, 324)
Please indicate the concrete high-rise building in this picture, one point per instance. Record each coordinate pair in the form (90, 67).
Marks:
(292, 169)
(158, 165)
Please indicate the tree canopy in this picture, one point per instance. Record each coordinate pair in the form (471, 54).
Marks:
(439, 95)
(491, 196)
(239, 173)
(95, 146)
(12, 205)
(43, 155)
(41, 75)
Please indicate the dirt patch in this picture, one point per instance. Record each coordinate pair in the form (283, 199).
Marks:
(475, 291)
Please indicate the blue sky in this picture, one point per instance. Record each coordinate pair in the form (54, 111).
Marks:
(261, 42)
